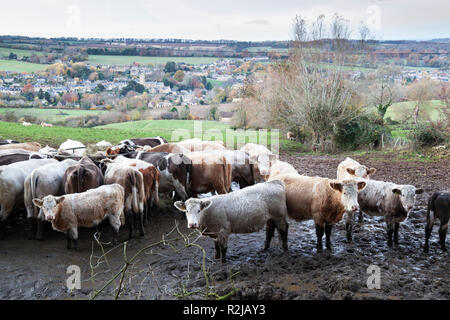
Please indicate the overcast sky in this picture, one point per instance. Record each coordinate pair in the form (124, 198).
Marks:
(211, 19)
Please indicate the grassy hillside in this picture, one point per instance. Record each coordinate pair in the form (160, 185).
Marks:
(403, 111)
(116, 132)
(49, 115)
(124, 60)
(4, 52)
(20, 66)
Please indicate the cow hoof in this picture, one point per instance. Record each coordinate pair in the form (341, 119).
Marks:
(425, 249)
(444, 248)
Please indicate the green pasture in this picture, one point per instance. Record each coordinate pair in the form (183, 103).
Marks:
(403, 112)
(20, 66)
(49, 115)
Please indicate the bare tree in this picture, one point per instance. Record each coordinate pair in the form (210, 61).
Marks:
(340, 32)
(318, 28)
(300, 29)
(420, 92)
(364, 35)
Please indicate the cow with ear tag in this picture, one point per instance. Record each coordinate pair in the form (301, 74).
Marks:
(393, 201)
(243, 211)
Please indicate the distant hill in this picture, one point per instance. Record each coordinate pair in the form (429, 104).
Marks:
(441, 40)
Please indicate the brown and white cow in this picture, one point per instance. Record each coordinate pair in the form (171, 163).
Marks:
(393, 201)
(29, 146)
(150, 175)
(244, 211)
(87, 209)
(82, 176)
(321, 199)
(133, 183)
(43, 181)
(175, 170)
(12, 178)
(210, 172)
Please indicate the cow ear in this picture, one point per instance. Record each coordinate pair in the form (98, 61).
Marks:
(371, 171)
(205, 204)
(59, 199)
(38, 203)
(336, 186)
(397, 191)
(351, 171)
(361, 185)
(108, 151)
(180, 205)
(419, 191)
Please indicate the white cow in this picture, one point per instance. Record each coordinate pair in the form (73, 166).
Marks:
(262, 158)
(12, 178)
(393, 201)
(243, 211)
(73, 147)
(43, 181)
(350, 169)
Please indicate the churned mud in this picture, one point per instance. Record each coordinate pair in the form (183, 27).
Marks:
(182, 266)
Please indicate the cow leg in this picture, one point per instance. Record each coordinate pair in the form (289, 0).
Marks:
(129, 219)
(40, 229)
(270, 230)
(360, 217)
(283, 234)
(223, 253)
(396, 227)
(319, 233)
(442, 235)
(390, 231)
(69, 240)
(73, 233)
(140, 222)
(33, 224)
(428, 229)
(217, 247)
(349, 225)
(328, 228)
(145, 221)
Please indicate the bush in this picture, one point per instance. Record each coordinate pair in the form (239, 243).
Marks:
(365, 131)
(9, 116)
(428, 135)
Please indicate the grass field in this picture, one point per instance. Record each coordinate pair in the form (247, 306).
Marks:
(124, 60)
(4, 52)
(403, 111)
(266, 49)
(168, 129)
(20, 66)
(49, 115)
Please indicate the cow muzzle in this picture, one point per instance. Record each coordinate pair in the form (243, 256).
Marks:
(193, 225)
(49, 218)
(355, 208)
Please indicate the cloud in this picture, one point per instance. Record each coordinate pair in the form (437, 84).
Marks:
(258, 22)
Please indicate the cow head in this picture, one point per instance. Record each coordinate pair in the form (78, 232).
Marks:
(407, 195)
(193, 209)
(349, 192)
(262, 163)
(49, 205)
(361, 172)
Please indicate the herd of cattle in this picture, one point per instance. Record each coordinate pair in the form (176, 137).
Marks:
(124, 182)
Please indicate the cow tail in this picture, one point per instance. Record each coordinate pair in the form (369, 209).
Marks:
(80, 173)
(252, 175)
(33, 186)
(134, 201)
(155, 195)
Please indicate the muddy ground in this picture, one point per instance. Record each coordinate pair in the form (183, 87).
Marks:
(175, 269)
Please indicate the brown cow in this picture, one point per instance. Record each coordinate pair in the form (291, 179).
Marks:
(210, 172)
(83, 176)
(194, 145)
(321, 199)
(29, 146)
(151, 183)
(168, 147)
(133, 183)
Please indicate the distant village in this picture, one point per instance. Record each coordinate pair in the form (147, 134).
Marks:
(99, 87)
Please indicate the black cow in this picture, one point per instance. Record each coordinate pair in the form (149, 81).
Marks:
(438, 208)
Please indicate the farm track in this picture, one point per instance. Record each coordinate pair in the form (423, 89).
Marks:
(37, 270)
